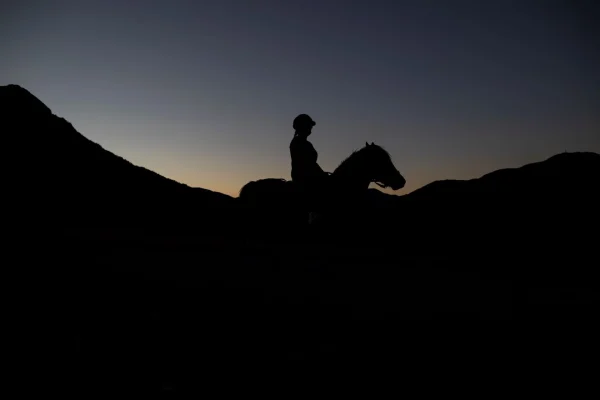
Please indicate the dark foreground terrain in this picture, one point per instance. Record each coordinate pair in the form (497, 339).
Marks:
(133, 284)
(128, 313)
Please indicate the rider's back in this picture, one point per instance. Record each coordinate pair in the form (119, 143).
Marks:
(305, 169)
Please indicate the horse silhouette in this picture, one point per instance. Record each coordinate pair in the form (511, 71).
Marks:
(347, 185)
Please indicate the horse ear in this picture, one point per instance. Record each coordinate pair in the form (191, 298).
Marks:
(372, 144)
(367, 143)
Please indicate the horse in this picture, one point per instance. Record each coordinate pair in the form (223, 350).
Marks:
(347, 189)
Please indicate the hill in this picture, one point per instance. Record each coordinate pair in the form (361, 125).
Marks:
(64, 176)
(565, 175)
(538, 209)
(561, 173)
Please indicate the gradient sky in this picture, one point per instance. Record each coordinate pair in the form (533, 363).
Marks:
(204, 92)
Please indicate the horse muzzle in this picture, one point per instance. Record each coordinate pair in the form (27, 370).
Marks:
(398, 183)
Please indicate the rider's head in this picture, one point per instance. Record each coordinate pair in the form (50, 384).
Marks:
(303, 124)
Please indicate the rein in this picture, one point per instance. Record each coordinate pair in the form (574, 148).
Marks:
(383, 186)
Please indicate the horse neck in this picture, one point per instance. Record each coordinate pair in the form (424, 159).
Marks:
(353, 173)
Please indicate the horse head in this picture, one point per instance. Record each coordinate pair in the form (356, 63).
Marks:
(372, 163)
(381, 168)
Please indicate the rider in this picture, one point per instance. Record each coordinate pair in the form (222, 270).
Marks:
(306, 172)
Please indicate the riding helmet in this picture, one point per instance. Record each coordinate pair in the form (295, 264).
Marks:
(303, 120)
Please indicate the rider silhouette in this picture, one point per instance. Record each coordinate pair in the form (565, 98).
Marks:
(306, 172)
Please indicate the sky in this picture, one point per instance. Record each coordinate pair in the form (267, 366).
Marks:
(205, 92)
